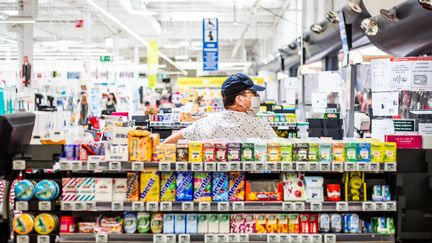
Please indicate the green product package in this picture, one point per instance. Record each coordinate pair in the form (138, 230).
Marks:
(300, 151)
(286, 152)
(260, 152)
(351, 152)
(325, 152)
(313, 152)
(168, 186)
(143, 223)
(247, 152)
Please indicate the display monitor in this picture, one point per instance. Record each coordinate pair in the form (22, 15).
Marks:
(15, 131)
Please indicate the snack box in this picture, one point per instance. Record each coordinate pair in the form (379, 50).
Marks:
(282, 223)
(313, 224)
(250, 223)
(221, 152)
(234, 151)
(304, 223)
(351, 152)
(325, 152)
(140, 145)
(261, 223)
(264, 190)
(87, 189)
(236, 186)
(209, 152)
(182, 151)
(202, 187)
(184, 186)
(168, 187)
(377, 151)
(286, 151)
(213, 223)
(271, 223)
(180, 224)
(168, 223)
(195, 152)
(220, 187)
(149, 187)
(390, 152)
(274, 152)
(300, 151)
(364, 153)
(237, 223)
(170, 152)
(191, 223)
(260, 151)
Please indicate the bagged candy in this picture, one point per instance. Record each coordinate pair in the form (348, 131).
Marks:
(364, 154)
(282, 223)
(237, 223)
(220, 187)
(236, 186)
(351, 152)
(261, 223)
(304, 223)
(274, 152)
(168, 187)
(184, 190)
(202, 187)
(221, 152)
(130, 222)
(150, 187)
(325, 152)
(260, 151)
(271, 223)
(286, 151)
(182, 152)
(247, 152)
(250, 223)
(313, 152)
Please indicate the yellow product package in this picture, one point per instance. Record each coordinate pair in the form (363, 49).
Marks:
(149, 187)
(140, 146)
(169, 152)
(390, 151)
(377, 151)
(195, 151)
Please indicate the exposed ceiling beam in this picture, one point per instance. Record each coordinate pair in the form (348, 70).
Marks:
(282, 12)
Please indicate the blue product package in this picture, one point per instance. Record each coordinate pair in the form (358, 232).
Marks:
(191, 223)
(364, 152)
(71, 151)
(168, 223)
(220, 187)
(345, 223)
(353, 223)
(386, 192)
(180, 223)
(46, 190)
(24, 190)
(184, 191)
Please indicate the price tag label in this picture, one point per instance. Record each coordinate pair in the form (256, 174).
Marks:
(223, 166)
(90, 206)
(390, 206)
(260, 166)
(302, 166)
(390, 167)
(273, 238)
(95, 158)
(197, 166)
(362, 166)
(337, 166)
(184, 238)
(43, 239)
(368, 206)
(306, 238)
(23, 239)
(296, 239)
(204, 206)
(249, 166)
(233, 238)
(78, 206)
(65, 165)
(138, 206)
(222, 238)
(350, 166)
(170, 238)
(159, 238)
(285, 238)
(44, 205)
(341, 206)
(223, 206)
(21, 206)
(324, 166)
(187, 206)
(313, 166)
(238, 206)
(288, 207)
(234, 166)
(164, 166)
(93, 165)
(210, 166)
(137, 166)
(316, 238)
(182, 166)
(243, 238)
(374, 166)
(117, 206)
(210, 238)
(66, 206)
(101, 238)
(166, 206)
(286, 166)
(77, 166)
(316, 206)
(114, 166)
(272, 166)
(329, 238)
(299, 206)
(152, 206)
(19, 165)
(380, 206)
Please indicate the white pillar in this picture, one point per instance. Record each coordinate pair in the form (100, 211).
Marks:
(25, 33)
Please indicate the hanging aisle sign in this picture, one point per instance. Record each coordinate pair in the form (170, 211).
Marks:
(210, 44)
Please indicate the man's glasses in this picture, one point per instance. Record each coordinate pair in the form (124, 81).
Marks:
(253, 92)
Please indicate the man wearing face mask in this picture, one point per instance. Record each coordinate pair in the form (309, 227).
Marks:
(241, 101)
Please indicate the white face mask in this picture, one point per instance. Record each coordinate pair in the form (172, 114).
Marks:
(255, 106)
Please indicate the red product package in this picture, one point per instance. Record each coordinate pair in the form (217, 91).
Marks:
(304, 223)
(209, 152)
(313, 223)
(250, 223)
(221, 152)
(333, 192)
(237, 223)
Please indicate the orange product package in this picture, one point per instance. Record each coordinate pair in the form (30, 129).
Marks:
(271, 223)
(261, 223)
(140, 145)
(236, 186)
(282, 223)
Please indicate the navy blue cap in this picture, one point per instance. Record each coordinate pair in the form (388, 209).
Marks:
(237, 83)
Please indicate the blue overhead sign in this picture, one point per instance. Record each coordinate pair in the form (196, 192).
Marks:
(210, 44)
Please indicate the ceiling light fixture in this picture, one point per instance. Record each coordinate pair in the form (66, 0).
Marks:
(132, 33)
(369, 26)
(317, 28)
(5, 38)
(17, 21)
(332, 17)
(355, 5)
(426, 4)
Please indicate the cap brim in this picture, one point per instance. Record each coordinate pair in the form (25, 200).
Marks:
(257, 88)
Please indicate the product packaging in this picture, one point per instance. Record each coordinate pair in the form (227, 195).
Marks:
(335, 223)
(247, 152)
(250, 223)
(191, 223)
(224, 223)
(325, 152)
(22, 224)
(260, 151)
(156, 223)
(132, 193)
(324, 223)
(104, 190)
(202, 187)
(274, 152)
(286, 151)
(168, 187)
(109, 225)
(185, 188)
(170, 152)
(293, 187)
(220, 187)
(168, 223)
(130, 222)
(46, 223)
(300, 151)
(261, 223)
(293, 223)
(195, 152)
(264, 190)
(86, 189)
(234, 151)
(209, 152)
(304, 223)
(86, 227)
(333, 192)
(271, 223)
(180, 224)
(377, 151)
(236, 186)
(119, 189)
(45, 190)
(313, 152)
(351, 152)
(221, 152)
(364, 153)
(390, 151)
(140, 145)
(24, 189)
(282, 223)
(313, 224)
(237, 223)
(202, 223)
(143, 225)
(213, 225)
(149, 187)
(182, 153)
(338, 152)
(314, 188)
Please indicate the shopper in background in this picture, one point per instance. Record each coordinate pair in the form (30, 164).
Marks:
(84, 108)
(241, 101)
(111, 104)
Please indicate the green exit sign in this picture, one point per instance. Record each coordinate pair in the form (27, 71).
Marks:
(106, 58)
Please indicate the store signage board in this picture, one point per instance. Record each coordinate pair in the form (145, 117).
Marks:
(106, 58)
(385, 103)
(406, 125)
(425, 128)
(210, 28)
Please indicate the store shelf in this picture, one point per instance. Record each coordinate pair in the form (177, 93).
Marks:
(125, 166)
(91, 237)
(36, 205)
(35, 238)
(231, 207)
